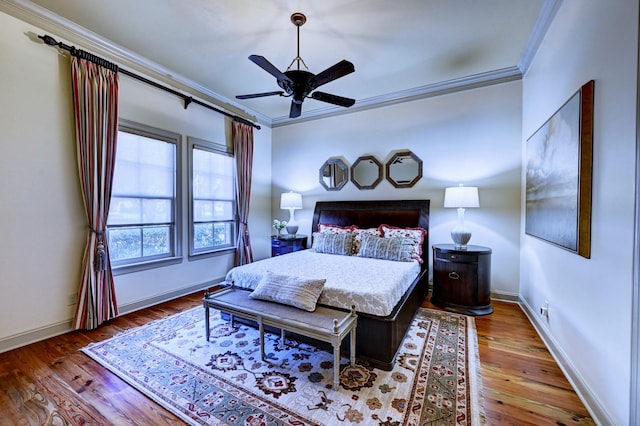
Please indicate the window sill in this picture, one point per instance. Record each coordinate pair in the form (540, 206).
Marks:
(220, 252)
(144, 266)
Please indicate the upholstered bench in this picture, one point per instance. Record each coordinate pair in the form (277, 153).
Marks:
(324, 324)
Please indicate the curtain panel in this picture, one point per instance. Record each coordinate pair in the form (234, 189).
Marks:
(243, 151)
(95, 101)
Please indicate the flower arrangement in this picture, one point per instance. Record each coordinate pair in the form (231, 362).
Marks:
(279, 225)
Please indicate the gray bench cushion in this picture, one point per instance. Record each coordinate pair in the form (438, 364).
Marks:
(321, 318)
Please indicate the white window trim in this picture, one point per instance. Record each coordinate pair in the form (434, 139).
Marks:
(193, 142)
(171, 137)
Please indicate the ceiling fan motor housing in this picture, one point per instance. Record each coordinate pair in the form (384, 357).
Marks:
(300, 87)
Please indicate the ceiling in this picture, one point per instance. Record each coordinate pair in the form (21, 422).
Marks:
(399, 49)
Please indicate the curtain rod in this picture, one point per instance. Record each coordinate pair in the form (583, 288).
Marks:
(103, 62)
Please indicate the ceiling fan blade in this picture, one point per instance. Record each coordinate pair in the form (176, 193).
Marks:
(263, 63)
(296, 109)
(259, 95)
(333, 99)
(338, 70)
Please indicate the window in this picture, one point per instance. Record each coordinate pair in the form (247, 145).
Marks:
(212, 221)
(143, 222)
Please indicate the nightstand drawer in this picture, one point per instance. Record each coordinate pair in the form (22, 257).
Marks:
(284, 245)
(456, 257)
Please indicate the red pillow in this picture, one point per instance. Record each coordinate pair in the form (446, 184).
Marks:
(334, 229)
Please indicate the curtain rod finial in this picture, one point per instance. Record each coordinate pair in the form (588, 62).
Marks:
(48, 40)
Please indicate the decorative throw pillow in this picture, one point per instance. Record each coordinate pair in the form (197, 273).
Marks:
(332, 243)
(334, 229)
(357, 237)
(302, 293)
(398, 249)
(416, 234)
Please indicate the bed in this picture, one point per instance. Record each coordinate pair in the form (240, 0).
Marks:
(386, 299)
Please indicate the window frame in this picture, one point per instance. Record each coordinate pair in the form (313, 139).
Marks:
(176, 237)
(217, 148)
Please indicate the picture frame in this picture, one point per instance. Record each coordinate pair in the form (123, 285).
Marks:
(559, 160)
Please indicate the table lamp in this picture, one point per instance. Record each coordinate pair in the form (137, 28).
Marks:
(292, 201)
(461, 197)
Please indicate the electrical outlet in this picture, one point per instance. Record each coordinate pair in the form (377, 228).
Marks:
(72, 299)
(544, 310)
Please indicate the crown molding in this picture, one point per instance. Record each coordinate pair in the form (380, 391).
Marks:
(98, 45)
(431, 90)
(543, 22)
(73, 33)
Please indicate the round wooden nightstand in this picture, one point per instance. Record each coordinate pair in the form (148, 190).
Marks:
(462, 279)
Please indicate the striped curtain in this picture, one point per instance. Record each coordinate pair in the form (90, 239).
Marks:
(243, 151)
(95, 101)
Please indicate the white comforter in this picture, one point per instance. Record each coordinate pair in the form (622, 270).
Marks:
(374, 286)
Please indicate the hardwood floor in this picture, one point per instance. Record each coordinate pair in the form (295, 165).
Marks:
(523, 384)
(50, 382)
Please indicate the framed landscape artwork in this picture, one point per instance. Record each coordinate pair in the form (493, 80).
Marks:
(558, 176)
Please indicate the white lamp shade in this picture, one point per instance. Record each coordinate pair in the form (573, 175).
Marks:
(461, 196)
(291, 200)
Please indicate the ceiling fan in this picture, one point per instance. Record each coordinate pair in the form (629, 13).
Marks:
(298, 84)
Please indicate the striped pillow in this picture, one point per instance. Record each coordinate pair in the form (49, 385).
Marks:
(416, 234)
(398, 249)
(302, 293)
(357, 236)
(324, 242)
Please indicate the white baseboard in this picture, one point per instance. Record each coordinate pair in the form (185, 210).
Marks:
(165, 297)
(35, 335)
(505, 296)
(598, 412)
(62, 327)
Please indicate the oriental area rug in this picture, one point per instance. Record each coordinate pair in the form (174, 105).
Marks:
(435, 379)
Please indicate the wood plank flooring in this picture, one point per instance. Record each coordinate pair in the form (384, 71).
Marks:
(51, 383)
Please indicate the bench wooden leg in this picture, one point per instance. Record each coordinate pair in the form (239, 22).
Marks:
(206, 321)
(336, 365)
(261, 328)
(352, 350)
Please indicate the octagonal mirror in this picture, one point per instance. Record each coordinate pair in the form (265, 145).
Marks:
(334, 174)
(366, 172)
(404, 169)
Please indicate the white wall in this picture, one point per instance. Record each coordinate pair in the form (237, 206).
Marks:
(470, 137)
(590, 299)
(41, 213)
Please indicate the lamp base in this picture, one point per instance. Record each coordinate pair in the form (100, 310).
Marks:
(460, 237)
(292, 230)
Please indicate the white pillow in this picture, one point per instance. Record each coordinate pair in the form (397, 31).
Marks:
(302, 293)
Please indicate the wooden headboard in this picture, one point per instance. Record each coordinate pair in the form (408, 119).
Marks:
(370, 214)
